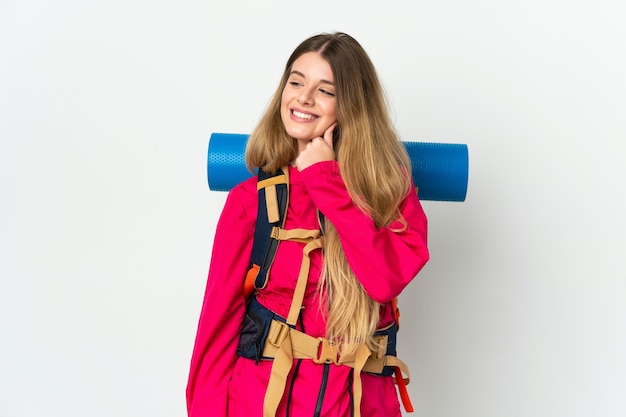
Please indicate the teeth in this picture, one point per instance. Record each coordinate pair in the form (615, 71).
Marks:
(303, 115)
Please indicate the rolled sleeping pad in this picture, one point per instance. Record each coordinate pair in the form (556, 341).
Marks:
(440, 170)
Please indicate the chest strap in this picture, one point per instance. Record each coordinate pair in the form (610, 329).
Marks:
(283, 356)
(312, 240)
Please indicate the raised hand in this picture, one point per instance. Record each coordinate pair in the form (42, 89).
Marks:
(317, 150)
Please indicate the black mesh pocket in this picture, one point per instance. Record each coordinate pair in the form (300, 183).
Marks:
(256, 325)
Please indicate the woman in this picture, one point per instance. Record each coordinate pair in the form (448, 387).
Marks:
(361, 240)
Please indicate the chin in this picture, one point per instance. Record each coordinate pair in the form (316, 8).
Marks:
(306, 138)
(299, 135)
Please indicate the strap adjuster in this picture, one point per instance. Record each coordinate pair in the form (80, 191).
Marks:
(278, 332)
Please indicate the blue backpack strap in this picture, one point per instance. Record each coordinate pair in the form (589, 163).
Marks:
(273, 191)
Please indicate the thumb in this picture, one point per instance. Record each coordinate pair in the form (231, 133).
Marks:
(328, 135)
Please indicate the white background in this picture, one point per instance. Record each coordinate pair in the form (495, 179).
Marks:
(106, 219)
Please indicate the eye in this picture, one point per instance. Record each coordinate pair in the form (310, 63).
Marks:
(327, 93)
(295, 83)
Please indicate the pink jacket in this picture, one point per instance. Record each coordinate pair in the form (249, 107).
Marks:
(223, 384)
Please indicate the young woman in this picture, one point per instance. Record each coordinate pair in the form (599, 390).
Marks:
(354, 235)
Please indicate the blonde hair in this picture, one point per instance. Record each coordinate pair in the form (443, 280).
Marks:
(373, 164)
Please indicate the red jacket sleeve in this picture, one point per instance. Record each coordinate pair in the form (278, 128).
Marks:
(383, 260)
(223, 309)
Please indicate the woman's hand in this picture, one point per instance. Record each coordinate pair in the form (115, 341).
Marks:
(318, 150)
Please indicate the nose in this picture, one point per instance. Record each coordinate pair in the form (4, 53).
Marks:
(306, 96)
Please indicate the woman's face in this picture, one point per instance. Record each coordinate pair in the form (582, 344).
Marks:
(308, 101)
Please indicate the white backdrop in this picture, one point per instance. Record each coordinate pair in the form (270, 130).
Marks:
(106, 220)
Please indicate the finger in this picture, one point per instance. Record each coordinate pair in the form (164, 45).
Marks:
(328, 135)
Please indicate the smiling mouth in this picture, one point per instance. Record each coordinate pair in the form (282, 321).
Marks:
(303, 115)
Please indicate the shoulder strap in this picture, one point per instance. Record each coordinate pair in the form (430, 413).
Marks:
(273, 192)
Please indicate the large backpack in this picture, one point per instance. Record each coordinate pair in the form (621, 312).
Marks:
(273, 200)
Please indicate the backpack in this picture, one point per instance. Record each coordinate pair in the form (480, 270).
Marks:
(273, 200)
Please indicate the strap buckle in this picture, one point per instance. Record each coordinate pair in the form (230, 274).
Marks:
(278, 332)
(328, 352)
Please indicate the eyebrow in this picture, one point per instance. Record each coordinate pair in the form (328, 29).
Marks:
(303, 76)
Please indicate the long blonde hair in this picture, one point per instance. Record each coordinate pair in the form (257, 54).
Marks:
(373, 163)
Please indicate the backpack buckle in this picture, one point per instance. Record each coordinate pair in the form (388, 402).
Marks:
(278, 332)
(327, 352)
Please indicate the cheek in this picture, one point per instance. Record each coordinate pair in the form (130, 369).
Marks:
(331, 110)
(283, 107)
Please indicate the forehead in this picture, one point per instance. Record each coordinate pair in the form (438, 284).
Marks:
(312, 65)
